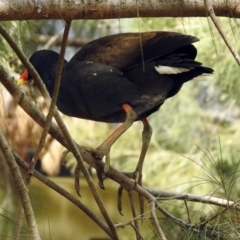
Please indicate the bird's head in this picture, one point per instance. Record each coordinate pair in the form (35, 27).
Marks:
(45, 63)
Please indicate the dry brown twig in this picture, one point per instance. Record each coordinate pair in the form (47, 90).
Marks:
(48, 41)
(21, 187)
(212, 15)
(52, 105)
(156, 223)
(134, 214)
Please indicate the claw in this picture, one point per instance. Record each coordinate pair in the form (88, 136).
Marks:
(120, 191)
(77, 178)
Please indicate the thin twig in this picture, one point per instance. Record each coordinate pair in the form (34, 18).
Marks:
(44, 40)
(156, 223)
(167, 195)
(19, 182)
(54, 38)
(219, 213)
(134, 213)
(188, 213)
(52, 105)
(212, 15)
(19, 224)
(123, 225)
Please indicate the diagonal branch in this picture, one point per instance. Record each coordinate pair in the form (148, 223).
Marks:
(21, 187)
(53, 103)
(211, 12)
(63, 192)
(70, 144)
(156, 224)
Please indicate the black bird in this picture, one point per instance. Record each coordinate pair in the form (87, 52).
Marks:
(121, 78)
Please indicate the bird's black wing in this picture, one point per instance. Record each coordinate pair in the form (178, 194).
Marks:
(126, 50)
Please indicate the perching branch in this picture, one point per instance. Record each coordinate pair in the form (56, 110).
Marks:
(107, 9)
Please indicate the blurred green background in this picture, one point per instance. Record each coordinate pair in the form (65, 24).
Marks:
(195, 143)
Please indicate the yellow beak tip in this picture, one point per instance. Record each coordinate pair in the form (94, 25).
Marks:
(20, 82)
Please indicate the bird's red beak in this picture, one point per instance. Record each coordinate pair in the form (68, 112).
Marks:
(23, 78)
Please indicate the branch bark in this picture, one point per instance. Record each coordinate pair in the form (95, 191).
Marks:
(107, 9)
(73, 42)
(211, 12)
(19, 182)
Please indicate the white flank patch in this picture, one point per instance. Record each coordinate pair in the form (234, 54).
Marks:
(170, 70)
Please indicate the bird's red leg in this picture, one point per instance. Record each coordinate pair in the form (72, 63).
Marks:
(137, 174)
(146, 138)
(104, 148)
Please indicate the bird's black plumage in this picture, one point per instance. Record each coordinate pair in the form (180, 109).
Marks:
(121, 78)
(110, 72)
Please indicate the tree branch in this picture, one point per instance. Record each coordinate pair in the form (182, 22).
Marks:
(212, 15)
(21, 187)
(167, 195)
(52, 105)
(73, 42)
(156, 223)
(107, 9)
(63, 192)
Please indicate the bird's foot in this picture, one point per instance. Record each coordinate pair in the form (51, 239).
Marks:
(95, 153)
(98, 166)
(137, 178)
(99, 153)
(77, 171)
